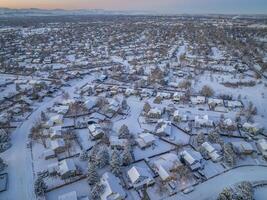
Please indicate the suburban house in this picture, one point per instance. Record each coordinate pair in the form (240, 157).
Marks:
(145, 140)
(113, 189)
(242, 147)
(140, 177)
(192, 159)
(166, 164)
(198, 100)
(154, 113)
(203, 121)
(96, 131)
(54, 120)
(165, 128)
(233, 104)
(90, 103)
(262, 146)
(55, 132)
(212, 151)
(67, 168)
(116, 142)
(254, 128)
(58, 145)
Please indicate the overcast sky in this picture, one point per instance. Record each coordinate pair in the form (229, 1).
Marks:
(163, 6)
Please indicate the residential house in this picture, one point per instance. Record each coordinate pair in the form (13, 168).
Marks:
(116, 142)
(203, 121)
(212, 151)
(140, 177)
(242, 147)
(67, 168)
(145, 140)
(262, 146)
(198, 100)
(165, 128)
(113, 189)
(96, 131)
(166, 164)
(58, 145)
(192, 159)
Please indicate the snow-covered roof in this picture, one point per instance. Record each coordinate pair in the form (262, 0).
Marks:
(116, 141)
(113, 188)
(90, 103)
(68, 196)
(191, 156)
(165, 128)
(263, 144)
(66, 166)
(209, 148)
(95, 129)
(198, 99)
(147, 137)
(135, 173)
(215, 101)
(57, 143)
(155, 111)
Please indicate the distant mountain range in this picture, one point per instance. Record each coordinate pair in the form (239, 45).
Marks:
(5, 12)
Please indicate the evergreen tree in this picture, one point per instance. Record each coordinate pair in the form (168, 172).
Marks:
(40, 187)
(92, 177)
(127, 157)
(124, 132)
(2, 164)
(102, 157)
(115, 163)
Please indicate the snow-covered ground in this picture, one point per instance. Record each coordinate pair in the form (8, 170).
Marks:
(211, 188)
(18, 157)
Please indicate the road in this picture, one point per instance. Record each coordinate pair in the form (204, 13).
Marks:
(18, 157)
(210, 189)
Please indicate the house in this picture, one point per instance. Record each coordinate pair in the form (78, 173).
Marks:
(163, 95)
(58, 145)
(166, 164)
(262, 146)
(146, 93)
(96, 131)
(68, 196)
(165, 128)
(55, 132)
(67, 168)
(140, 177)
(233, 104)
(145, 140)
(89, 104)
(113, 107)
(212, 151)
(112, 187)
(242, 147)
(49, 153)
(203, 121)
(177, 96)
(55, 120)
(198, 100)
(60, 109)
(215, 102)
(177, 117)
(192, 159)
(254, 128)
(154, 113)
(116, 142)
(130, 91)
